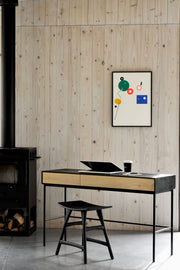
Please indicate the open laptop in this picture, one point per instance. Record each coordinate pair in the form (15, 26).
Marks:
(101, 167)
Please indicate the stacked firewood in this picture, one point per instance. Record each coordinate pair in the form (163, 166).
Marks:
(10, 221)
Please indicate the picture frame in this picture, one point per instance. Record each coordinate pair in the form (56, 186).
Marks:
(132, 98)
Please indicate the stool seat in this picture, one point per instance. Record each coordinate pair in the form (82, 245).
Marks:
(82, 206)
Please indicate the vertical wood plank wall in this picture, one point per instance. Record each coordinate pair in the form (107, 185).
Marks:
(66, 51)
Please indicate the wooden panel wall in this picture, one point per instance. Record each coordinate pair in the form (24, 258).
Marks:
(66, 52)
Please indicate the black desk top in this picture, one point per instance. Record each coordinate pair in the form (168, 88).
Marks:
(121, 174)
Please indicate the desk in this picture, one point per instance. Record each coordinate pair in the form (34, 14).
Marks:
(140, 183)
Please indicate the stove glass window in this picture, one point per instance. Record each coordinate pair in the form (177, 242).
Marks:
(8, 174)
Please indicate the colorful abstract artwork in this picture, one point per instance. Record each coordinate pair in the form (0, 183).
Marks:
(132, 98)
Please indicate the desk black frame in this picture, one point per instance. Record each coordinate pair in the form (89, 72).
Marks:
(166, 187)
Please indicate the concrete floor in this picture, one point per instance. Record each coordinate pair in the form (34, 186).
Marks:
(132, 251)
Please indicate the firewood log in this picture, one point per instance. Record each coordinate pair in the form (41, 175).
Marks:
(10, 224)
(1, 225)
(31, 224)
(3, 213)
(19, 218)
(14, 230)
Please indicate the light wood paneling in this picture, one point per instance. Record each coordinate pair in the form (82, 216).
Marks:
(78, 12)
(98, 93)
(97, 12)
(25, 12)
(73, 112)
(51, 12)
(66, 52)
(154, 11)
(86, 80)
(25, 93)
(53, 102)
(130, 11)
(63, 12)
(60, 98)
(39, 12)
(173, 11)
(111, 11)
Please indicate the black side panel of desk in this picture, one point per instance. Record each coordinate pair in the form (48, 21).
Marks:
(164, 184)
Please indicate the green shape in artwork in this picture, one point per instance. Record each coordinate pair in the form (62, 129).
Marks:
(123, 85)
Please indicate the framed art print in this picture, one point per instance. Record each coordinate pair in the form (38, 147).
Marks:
(132, 98)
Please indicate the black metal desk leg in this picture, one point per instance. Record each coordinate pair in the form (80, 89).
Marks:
(171, 222)
(65, 199)
(44, 216)
(154, 226)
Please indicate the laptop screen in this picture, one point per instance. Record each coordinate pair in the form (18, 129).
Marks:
(101, 166)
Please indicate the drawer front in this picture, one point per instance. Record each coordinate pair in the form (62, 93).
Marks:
(61, 179)
(141, 184)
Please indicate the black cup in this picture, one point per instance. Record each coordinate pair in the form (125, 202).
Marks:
(128, 165)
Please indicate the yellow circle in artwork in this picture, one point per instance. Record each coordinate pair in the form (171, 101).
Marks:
(117, 101)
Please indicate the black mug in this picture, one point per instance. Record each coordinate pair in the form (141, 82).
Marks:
(128, 165)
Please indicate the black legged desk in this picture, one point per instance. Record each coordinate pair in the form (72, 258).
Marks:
(141, 183)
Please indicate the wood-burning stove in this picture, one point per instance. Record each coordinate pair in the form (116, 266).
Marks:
(17, 164)
(18, 189)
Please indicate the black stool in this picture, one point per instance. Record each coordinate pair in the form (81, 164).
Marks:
(83, 207)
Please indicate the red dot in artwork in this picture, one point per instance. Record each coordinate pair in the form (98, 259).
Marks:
(130, 91)
(139, 87)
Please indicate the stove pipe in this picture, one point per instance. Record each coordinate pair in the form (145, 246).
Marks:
(8, 26)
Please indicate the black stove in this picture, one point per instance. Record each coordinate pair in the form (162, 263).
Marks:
(17, 164)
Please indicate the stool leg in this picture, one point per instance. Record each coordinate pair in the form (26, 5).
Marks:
(100, 215)
(68, 213)
(65, 200)
(83, 214)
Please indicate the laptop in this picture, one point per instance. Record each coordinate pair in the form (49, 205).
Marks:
(101, 167)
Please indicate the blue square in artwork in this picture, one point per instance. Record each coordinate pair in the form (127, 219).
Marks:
(142, 99)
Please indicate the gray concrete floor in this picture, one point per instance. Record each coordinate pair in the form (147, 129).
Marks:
(132, 251)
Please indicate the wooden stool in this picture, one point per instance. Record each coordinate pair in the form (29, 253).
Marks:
(83, 207)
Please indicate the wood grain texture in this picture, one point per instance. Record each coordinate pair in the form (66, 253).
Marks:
(111, 8)
(69, 49)
(78, 12)
(97, 12)
(118, 183)
(39, 12)
(25, 13)
(98, 93)
(25, 92)
(154, 11)
(134, 183)
(63, 12)
(173, 11)
(86, 99)
(62, 179)
(51, 12)
(130, 12)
